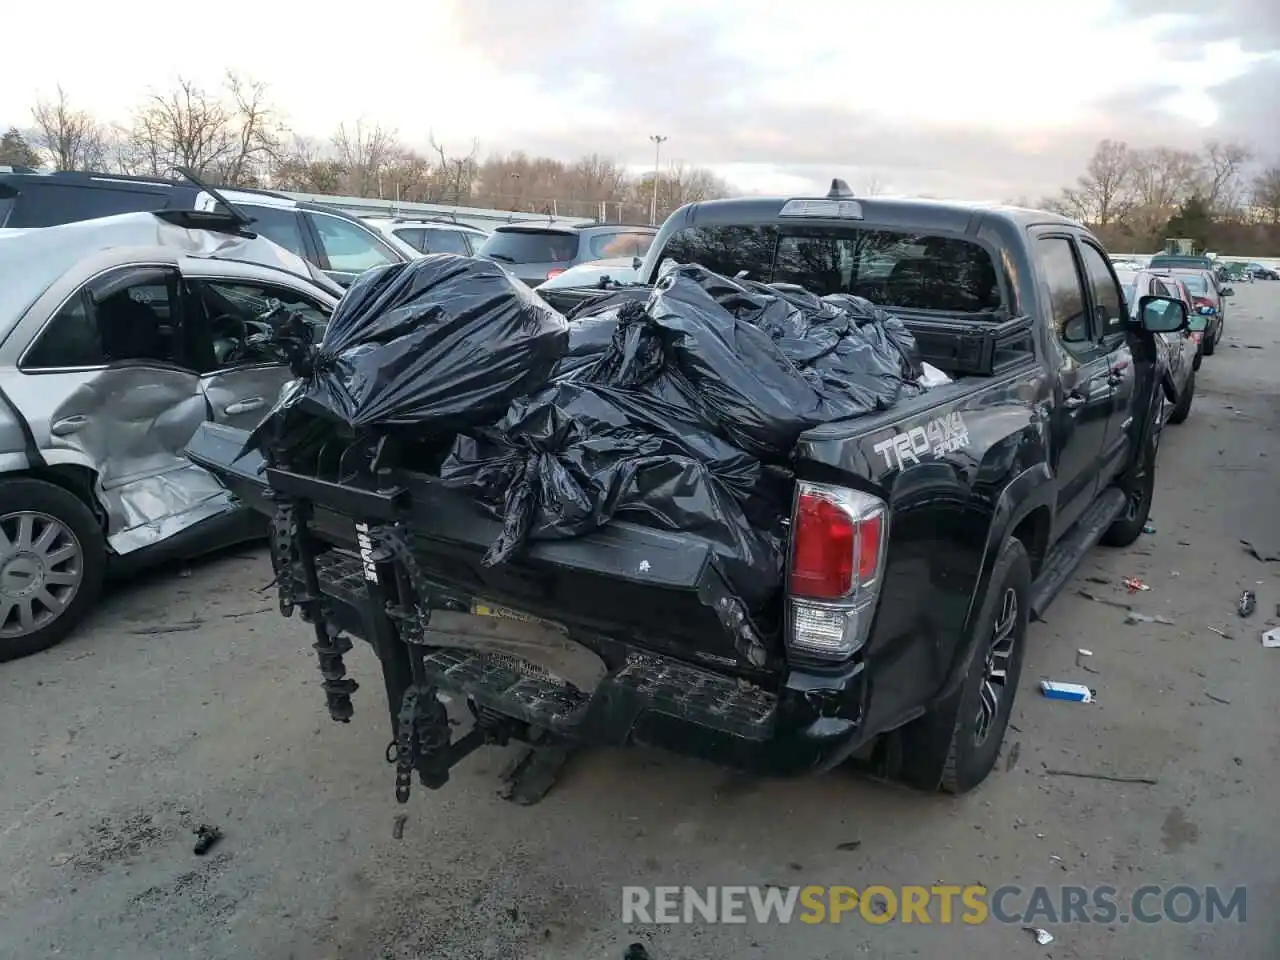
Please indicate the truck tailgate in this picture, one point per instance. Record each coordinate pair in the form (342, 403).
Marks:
(624, 584)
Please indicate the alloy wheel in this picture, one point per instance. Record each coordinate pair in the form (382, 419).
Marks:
(995, 674)
(41, 569)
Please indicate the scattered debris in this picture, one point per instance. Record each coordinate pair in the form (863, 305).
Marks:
(248, 613)
(1100, 776)
(206, 836)
(1134, 584)
(80, 656)
(1253, 346)
(1097, 599)
(1148, 527)
(1216, 699)
(1098, 579)
(184, 627)
(1014, 752)
(1077, 692)
(1081, 656)
(636, 952)
(1133, 616)
(849, 845)
(1271, 638)
(397, 826)
(1174, 573)
(1043, 937)
(1184, 543)
(1248, 603)
(1222, 633)
(1264, 553)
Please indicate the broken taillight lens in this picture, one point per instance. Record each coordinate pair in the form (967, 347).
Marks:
(837, 557)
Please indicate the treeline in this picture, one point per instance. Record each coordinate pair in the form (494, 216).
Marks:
(235, 136)
(1222, 197)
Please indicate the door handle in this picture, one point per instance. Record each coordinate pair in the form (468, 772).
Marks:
(60, 428)
(248, 405)
(1074, 402)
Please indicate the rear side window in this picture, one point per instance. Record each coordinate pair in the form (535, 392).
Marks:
(444, 241)
(413, 236)
(531, 246)
(277, 225)
(1196, 284)
(607, 246)
(48, 205)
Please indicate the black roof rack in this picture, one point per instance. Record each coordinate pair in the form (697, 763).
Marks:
(605, 223)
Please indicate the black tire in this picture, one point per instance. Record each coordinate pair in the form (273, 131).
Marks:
(1183, 408)
(1209, 342)
(1140, 490)
(23, 495)
(942, 750)
(975, 747)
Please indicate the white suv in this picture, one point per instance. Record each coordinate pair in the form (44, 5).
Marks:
(430, 236)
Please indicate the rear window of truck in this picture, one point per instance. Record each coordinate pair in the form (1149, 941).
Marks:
(890, 268)
(531, 246)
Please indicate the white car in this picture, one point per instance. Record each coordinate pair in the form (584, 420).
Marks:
(119, 337)
(430, 236)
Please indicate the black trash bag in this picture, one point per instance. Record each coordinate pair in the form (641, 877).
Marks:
(589, 338)
(434, 346)
(569, 460)
(727, 347)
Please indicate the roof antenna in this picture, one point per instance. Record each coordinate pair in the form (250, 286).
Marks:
(839, 190)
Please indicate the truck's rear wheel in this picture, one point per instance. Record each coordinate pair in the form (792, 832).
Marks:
(986, 698)
(52, 558)
(955, 745)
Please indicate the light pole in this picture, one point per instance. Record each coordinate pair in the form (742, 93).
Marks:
(657, 153)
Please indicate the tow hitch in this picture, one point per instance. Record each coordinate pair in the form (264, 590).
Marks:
(395, 616)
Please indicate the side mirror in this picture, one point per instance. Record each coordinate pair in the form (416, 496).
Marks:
(1162, 314)
(1228, 292)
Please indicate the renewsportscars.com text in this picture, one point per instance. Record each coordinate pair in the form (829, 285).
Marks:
(937, 904)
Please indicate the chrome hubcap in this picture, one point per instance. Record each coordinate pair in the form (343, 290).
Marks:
(41, 567)
(995, 676)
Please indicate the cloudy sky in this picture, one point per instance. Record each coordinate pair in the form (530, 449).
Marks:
(987, 98)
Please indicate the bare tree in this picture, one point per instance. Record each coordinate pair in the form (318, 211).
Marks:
(257, 133)
(455, 175)
(185, 127)
(365, 153)
(72, 138)
(1221, 183)
(1105, 187)
(1162, 179)
(1266, 194)
(306, 166)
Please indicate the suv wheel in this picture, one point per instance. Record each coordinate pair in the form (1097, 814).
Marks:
(52, 557)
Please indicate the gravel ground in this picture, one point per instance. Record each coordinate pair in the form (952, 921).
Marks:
(116, 744)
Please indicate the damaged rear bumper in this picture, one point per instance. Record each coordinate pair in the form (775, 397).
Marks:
(810, 723)
(790, 721)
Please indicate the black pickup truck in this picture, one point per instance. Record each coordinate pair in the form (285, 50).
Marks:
(922, 540)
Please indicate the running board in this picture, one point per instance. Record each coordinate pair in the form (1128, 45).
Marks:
(1063, 560)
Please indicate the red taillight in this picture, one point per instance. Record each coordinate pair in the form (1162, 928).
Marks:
(1196, 336)
(551, 274)
(1202, 301)
(835, 546)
